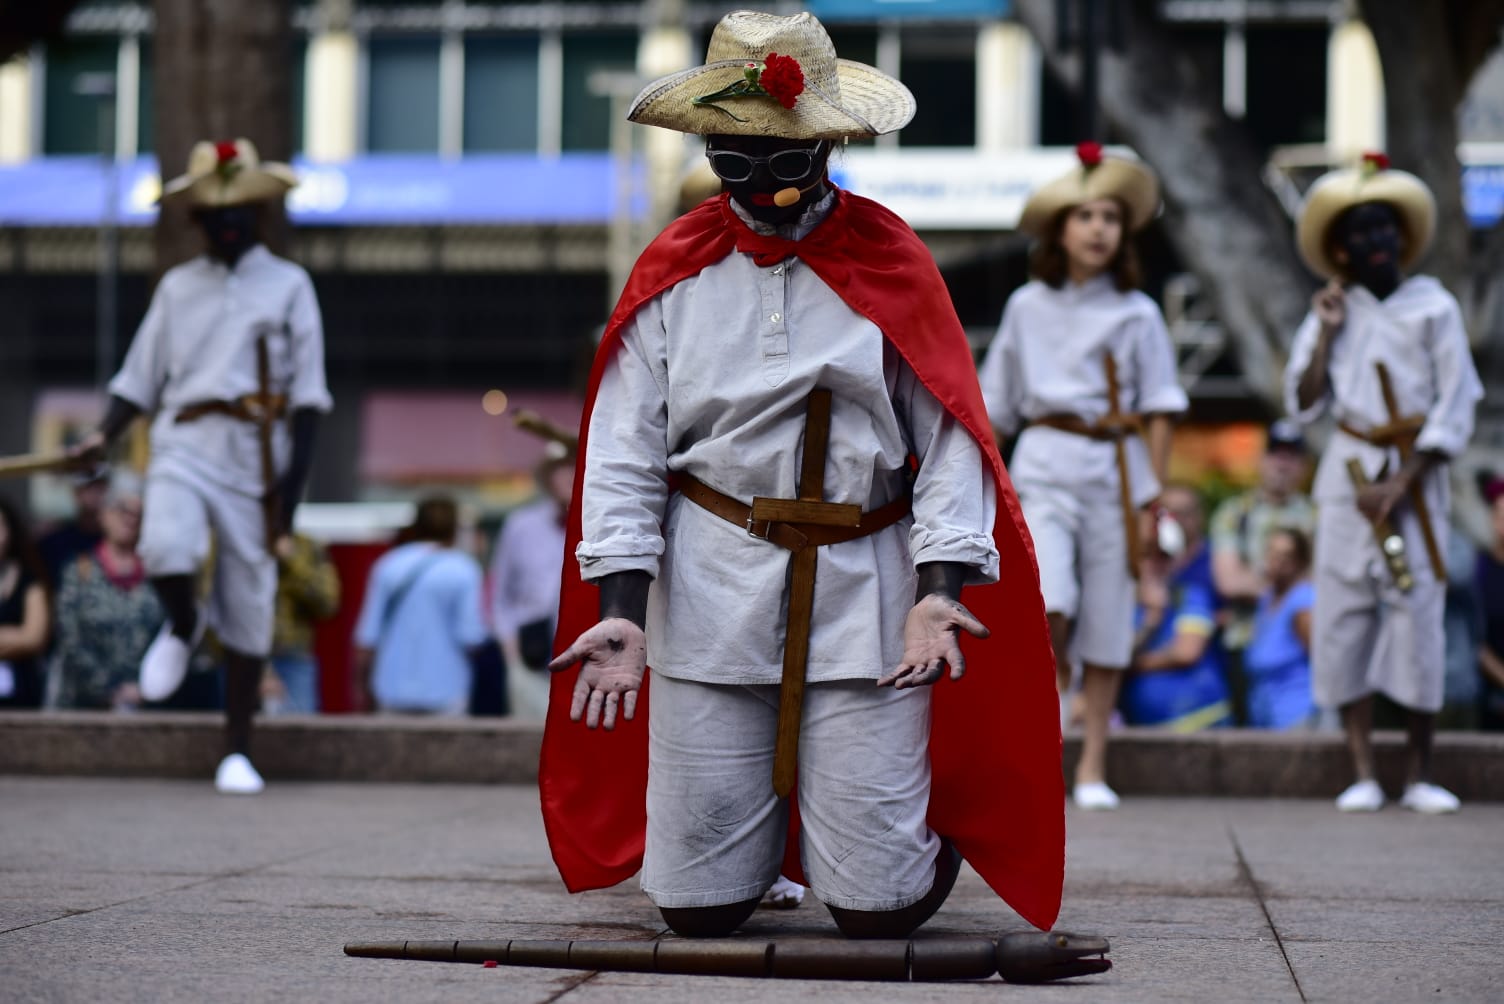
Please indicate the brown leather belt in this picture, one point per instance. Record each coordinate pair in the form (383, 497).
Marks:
(801, 526)
(1102, 431)
(760, 518)
(1401, 433)
(245, 409)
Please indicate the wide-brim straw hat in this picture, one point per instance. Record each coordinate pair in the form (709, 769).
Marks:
(840, 97)
(229, 173)
(1097, 177)
(1335, 192)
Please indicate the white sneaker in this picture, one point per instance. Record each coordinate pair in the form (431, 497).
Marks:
(1431, 799)
(166, 661)
(236, 776)
(1361, 796)
(1095, 795)
(785, 894)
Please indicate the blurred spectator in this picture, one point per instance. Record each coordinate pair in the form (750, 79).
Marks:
(1462, 627)
(1277, 660)
(1490, 586)
(1176, 678)
(82, 533)
(1240, 531)
(107, 614)
(24, 616)
(421, 620)
(1183, 503)
(525, 581)
(307, 592)
(1241, 525)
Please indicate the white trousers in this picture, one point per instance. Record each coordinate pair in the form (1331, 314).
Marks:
(716, 832)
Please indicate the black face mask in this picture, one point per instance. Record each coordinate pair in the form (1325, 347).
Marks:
(1370, 235)
(768, 166)
(230, 231)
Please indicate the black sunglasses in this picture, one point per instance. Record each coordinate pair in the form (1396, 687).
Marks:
(785, 165)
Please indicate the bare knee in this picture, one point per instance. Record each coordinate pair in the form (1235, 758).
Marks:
(707, 921)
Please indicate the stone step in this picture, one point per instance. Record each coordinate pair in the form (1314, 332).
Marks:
(1245, 763)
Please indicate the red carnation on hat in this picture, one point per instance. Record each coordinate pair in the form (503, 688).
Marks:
(226, 151)
(782, 78)
(1089, 153)
(1376, 160)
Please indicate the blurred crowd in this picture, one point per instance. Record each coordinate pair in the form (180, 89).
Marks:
(1222, 627)
(443, 627)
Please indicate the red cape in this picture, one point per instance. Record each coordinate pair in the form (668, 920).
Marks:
(998, 789)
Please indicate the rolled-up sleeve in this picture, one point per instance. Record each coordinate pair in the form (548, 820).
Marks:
(144, 372)
(1449, 422)
(955, 500)
(305, 326)
(626, 459)
(1301, 351)
(1159, 390)
(1001, 392)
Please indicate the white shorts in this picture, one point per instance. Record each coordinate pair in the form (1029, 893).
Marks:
(178, 512)
(1083, 569)
(1366, 635)
(716, 832)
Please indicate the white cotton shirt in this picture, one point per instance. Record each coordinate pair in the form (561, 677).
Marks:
(1417, 332)
(198, 343)
(525, 567)
(712, 379)
(422, 612)
(1047, 359)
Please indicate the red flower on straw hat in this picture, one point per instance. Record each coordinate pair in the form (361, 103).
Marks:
(226, 151)
(1375, 160)
(782, 78)
(777, 77)
(1089, 153)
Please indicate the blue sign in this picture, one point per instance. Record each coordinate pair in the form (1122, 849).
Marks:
(418, 189)
(1483, 194)
(878, 10)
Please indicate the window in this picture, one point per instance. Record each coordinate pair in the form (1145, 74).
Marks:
(73, 122)
(402, 110)
(1287, 83)
(940, 67)
(297, 84)
(587, 116)
(146, 114)
(501, 93)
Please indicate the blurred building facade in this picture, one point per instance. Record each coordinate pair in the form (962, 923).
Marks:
(471, 195)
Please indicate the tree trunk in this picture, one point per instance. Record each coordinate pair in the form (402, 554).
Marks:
(222, 72)
(1222, 219)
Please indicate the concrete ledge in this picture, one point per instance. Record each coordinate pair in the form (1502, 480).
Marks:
(1243, 763)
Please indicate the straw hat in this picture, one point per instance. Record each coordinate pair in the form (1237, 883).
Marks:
(766, 75)
(1096, 177)
(1335, 192)
(229, 173)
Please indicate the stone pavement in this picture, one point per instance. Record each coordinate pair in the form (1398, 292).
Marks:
(154, 890)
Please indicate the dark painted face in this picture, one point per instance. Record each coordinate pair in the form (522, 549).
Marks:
(1367, 241)
(794, 166)
(230, 231)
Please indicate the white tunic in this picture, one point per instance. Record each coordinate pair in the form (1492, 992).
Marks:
(1417, 332)
(198, 343)
(712, 379)
(525, 568)
(1047, 359)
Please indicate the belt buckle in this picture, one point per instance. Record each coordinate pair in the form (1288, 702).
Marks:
(753, 524)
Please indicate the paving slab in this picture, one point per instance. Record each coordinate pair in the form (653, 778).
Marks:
(154, 890)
